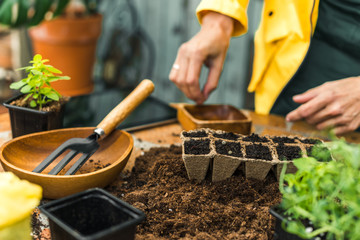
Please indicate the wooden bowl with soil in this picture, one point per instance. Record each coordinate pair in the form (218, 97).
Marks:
(216, 116)
(21, 155)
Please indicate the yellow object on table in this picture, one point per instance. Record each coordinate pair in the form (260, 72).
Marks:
(18, 198)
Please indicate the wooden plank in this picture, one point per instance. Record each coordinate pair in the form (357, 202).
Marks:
(159, 18)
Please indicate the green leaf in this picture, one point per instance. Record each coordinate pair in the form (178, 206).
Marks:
(44, 90)
(64, 78)
(33, 104)
(61, 4)
(53, 96)
(26, 89)
(37, 58)
(52, 69)
(36, 72)
(6, 12)
(22, 68)
(17, 85)
(23, 7)
(41, 8)
(53, 79)
(27, 96)
(305, 163)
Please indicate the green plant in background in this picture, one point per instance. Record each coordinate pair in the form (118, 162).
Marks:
(325, 193)
(17, 13)
(37, 84)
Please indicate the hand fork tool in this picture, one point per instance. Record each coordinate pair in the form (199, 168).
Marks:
(88, 146)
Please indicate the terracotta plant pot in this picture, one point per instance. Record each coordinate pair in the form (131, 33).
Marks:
(26, 120)
(70, 43)
(92, 214)
(6, 59)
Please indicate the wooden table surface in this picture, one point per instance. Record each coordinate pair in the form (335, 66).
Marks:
(165, 135)
(168, 134)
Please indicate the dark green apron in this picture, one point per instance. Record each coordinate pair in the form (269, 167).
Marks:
(334, 52)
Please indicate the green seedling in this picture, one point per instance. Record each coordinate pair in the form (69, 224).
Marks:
(37, 85)
(326, 193)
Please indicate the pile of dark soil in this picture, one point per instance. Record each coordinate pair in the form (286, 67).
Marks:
(177, 208)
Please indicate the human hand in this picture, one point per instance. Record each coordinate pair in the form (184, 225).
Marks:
(209, 47)
(331, 105)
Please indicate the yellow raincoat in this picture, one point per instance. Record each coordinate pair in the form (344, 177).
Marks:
(281, 41)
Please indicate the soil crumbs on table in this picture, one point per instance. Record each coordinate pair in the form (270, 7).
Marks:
(177, 208)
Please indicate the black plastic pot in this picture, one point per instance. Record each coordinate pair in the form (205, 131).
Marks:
(26, 120)
(92, 214)
(280, 233)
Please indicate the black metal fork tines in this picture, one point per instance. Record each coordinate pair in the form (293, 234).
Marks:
(85, 146)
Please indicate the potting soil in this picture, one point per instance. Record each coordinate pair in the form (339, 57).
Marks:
(178, 208)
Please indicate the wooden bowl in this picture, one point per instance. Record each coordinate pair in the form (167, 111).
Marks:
(21, 155)
(216, 116)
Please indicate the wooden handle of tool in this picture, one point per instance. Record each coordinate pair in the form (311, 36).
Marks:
(126, 106)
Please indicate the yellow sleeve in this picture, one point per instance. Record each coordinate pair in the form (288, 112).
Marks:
(235, 9)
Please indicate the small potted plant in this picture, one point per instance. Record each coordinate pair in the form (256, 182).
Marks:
(39, 107)
(65, 31)
(321, 200)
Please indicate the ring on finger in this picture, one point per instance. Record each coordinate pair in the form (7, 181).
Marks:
(176, 66)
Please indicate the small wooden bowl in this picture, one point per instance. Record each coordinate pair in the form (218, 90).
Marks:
(21, 155)
(216, 116)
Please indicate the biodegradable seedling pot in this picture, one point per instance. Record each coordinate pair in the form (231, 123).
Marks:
(224, 152)
(197, 159)
(227, 160)
(92, 214)
(27, 120)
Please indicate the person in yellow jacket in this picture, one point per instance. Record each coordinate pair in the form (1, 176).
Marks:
(306, 61)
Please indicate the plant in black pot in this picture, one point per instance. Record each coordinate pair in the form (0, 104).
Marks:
(321, 200)
(65, 31)
(39, 107)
